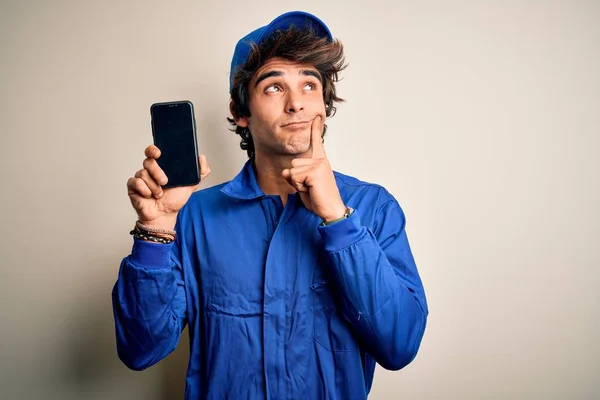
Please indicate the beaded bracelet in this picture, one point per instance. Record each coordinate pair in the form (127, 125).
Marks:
(151, 230)
(152, 234)
(151, 238)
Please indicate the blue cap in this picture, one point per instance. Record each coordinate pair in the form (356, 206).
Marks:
(299, 19)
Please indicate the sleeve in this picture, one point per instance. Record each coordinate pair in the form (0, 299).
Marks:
(149, 304)
(381, 293)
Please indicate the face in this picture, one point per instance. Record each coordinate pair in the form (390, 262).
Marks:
(284, 98)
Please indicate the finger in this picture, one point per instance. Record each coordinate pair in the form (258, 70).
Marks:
(307, 174)
(286, 175)
(204, 167)
(136, 186)
(298, 186)
(299, 162)
(154, 187)
(299, 177)
(316, 142)
(155, 171)
(302, 171)
(152, 151)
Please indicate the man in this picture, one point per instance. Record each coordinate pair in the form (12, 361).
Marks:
(293, 280)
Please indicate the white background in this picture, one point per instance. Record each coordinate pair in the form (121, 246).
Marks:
(481, 117)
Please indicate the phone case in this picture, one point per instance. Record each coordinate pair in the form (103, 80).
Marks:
(175, 135)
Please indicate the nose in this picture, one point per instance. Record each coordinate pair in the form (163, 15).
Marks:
(293, 102)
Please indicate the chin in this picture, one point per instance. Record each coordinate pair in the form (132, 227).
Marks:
(296, 148)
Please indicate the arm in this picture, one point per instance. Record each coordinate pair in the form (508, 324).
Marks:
(149, 304)
(149, 298)
(382, 296)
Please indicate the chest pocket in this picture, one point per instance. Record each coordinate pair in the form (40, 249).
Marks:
(331, 331)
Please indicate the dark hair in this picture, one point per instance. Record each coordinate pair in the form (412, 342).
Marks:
(302, 46)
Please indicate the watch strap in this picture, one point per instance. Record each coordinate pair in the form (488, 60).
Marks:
(349, 211)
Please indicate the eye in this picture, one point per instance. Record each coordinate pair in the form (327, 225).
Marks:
(310, 86)
(272, 88)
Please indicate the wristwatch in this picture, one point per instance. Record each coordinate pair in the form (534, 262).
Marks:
(347, 214)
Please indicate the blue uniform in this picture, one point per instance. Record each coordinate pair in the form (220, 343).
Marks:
(277, 306)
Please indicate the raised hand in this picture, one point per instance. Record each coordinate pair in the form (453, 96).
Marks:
(314, 179)
(155, 206)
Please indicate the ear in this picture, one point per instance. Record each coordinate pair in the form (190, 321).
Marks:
(239, 121)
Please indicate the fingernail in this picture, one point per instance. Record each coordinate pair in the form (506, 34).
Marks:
(158, 196)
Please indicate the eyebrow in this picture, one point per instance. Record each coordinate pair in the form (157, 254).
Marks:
(267, 75)
(270, 74)
(310, 72)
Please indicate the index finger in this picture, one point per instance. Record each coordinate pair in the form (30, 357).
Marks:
(152, 151)
(316, 140)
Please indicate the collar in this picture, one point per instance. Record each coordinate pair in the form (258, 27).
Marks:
(244, 186)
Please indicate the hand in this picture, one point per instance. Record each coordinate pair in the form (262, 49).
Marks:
(157, 207)
(314, 179)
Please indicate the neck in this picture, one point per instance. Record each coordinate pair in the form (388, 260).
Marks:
(268, 174)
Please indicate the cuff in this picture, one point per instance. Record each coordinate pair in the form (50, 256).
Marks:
(150, 255)
(342, 234)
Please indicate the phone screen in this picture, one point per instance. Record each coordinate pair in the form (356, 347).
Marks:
(174, 134)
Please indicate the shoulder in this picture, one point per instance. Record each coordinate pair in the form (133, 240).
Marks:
(377, 206)
(351, 186)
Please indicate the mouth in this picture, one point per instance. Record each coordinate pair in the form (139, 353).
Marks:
(296, 125)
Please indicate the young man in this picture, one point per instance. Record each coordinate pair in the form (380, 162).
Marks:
(293, 280)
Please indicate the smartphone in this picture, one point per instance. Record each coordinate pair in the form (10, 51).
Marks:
(174, 133)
